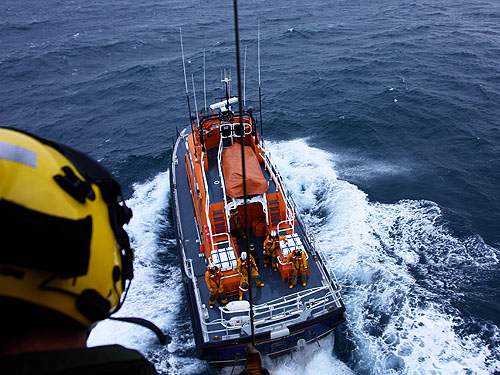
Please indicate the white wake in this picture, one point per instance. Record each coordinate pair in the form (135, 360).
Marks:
(396, 322)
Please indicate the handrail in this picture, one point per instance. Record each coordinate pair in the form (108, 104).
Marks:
(207, 203)
(222, 182)
(290, 214)
(314, 247)
(289, 201)
(188, 264)
(199, 304)
(273, 312)
(207, 200)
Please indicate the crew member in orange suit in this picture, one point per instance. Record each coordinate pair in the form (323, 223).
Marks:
(242, 268)
(271, 246)
(299, 264)
(236, 226)
(213, 278)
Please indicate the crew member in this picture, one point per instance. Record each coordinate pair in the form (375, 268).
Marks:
(271, 246)
(253, 252)
(213, 277)
(65, 260)
(299, 264)
(242, 268)
(235, 223)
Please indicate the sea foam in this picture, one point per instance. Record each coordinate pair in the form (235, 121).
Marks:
(156, 293)
(395, 320)
(395, 263)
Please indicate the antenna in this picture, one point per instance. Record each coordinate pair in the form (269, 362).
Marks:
(200, 128)
(226, 82)
(222, 80)
(258, 49)
(204, 85)
(237, 37)
(195, 103)
(183, 63)
(185, 82)
(260, 91)
(244, 79)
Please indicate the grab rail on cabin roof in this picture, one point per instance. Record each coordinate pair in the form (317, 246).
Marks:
(207, 206)
(222, 182)
(207, 202)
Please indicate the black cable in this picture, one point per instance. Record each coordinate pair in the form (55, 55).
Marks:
(249, 265)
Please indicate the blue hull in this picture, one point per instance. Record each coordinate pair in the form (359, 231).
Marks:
(231, 351)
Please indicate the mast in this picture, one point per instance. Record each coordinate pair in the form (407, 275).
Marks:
(186, 84)
(244, 79)
(195, 103)
(226, 81)
(200, 129)
(204, 85)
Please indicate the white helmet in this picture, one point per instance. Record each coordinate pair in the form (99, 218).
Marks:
(211, 266)
(273, 233)
(243, 256)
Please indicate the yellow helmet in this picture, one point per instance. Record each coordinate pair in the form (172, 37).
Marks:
(62, 242)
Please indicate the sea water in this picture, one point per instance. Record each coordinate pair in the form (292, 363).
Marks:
(382, 118)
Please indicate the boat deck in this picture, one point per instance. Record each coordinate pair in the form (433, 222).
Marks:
(274, 288)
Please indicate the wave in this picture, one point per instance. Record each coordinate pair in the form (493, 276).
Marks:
(156, 293)
(401, 270)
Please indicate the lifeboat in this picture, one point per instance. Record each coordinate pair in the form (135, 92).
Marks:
(207, 190)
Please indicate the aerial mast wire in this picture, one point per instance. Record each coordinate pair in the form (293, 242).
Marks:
(244, 79)
(200, 130)
(226, 82)
(204, 85)
(195, 102)
(183, 63)
(186, 84)
(237, 39)
(260, 91)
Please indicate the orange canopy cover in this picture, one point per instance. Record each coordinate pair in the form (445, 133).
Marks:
(233, 176)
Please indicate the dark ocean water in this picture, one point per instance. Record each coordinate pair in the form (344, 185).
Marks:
(382, 117)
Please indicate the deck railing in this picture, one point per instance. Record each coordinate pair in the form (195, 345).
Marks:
(290, 218)
(293, 308)
(309, 239)
(187, 264)
(222, 182)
